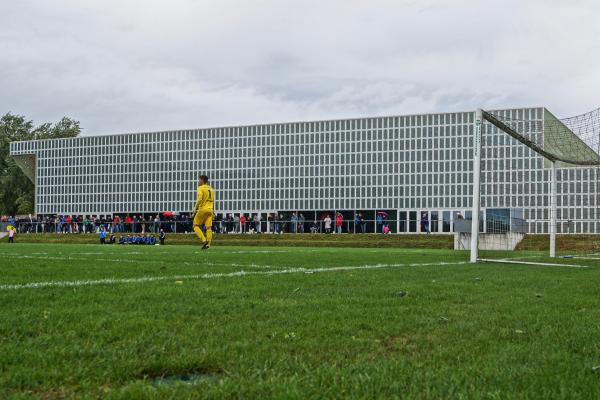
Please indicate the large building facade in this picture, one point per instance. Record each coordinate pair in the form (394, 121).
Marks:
(407, 166)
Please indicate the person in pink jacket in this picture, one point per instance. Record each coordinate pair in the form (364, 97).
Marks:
(339, 221)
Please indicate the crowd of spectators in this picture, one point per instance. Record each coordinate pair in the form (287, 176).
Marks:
(81, 224)
(296, 222)
(142, 224)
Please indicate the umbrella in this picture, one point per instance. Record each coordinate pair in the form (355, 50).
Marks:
(383, 214)
(168, 214)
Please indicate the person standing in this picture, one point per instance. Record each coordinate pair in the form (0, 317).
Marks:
(11, 234)
(128, 224)
(294, 222)
(162, 236)
(222, 224)
(339, 221)
(204, 211)
(301, 222)
(102, 235)
(276, 223)
(236, 223)
(257, 223)
(357, 223)
(425, 223)
(242, 223)
(327, 222)
(269, 223)
(379, 222)
(230, 228)
(156, 224)
(363, 223)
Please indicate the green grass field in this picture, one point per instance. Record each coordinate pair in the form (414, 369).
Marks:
(123, 322)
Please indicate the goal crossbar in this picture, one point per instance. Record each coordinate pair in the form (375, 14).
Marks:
(510, 131)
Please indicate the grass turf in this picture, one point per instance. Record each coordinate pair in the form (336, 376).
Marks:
(445, 241)
(564, 243)
(415, 328)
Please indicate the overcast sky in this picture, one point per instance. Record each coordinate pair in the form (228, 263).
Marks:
(130, 66)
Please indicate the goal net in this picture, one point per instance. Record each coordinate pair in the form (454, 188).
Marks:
(536, 181)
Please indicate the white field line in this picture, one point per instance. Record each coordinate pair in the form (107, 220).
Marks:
(69, 258)
(542, 264)
(212, 264)
(507, 260)
(521, 258)
(40, 256)
(116, 281)
(96, 253)
(125, 260)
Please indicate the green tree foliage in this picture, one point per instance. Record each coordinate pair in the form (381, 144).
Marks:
(16, 190)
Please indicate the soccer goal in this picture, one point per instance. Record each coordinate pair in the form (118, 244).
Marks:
(535, 181)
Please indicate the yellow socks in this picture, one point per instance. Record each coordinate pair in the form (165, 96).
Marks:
(199, 233)
(209, 235)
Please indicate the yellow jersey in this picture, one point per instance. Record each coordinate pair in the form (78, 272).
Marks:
(206, 198)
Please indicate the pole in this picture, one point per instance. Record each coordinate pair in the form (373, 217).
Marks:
(476, 185)
(553, 210)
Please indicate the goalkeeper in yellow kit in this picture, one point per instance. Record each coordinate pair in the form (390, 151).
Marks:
(203, 212)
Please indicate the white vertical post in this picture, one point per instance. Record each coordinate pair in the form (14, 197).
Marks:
(375, 221)
(476, 185)
(553, 210)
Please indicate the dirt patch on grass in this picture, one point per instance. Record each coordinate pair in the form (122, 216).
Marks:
(51, 394)
(407, 344)
(157, 375)
(394, 343)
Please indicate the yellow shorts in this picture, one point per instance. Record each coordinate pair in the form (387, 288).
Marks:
(204, 217)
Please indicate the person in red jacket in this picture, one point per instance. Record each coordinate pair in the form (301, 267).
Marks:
(339, 221)
(128, 223)
(68, 221)
(242, 223)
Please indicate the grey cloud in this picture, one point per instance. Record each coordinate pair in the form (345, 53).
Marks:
(121, 66)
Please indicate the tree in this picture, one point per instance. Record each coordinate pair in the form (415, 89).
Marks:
(16, 190)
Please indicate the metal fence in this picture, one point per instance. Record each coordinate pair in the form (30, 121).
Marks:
(220, 226)
(277, 226)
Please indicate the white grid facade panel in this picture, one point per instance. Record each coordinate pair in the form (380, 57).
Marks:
(416, 162)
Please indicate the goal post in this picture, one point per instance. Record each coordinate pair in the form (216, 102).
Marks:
(569, 143)
(553, 202)
(476, 185)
